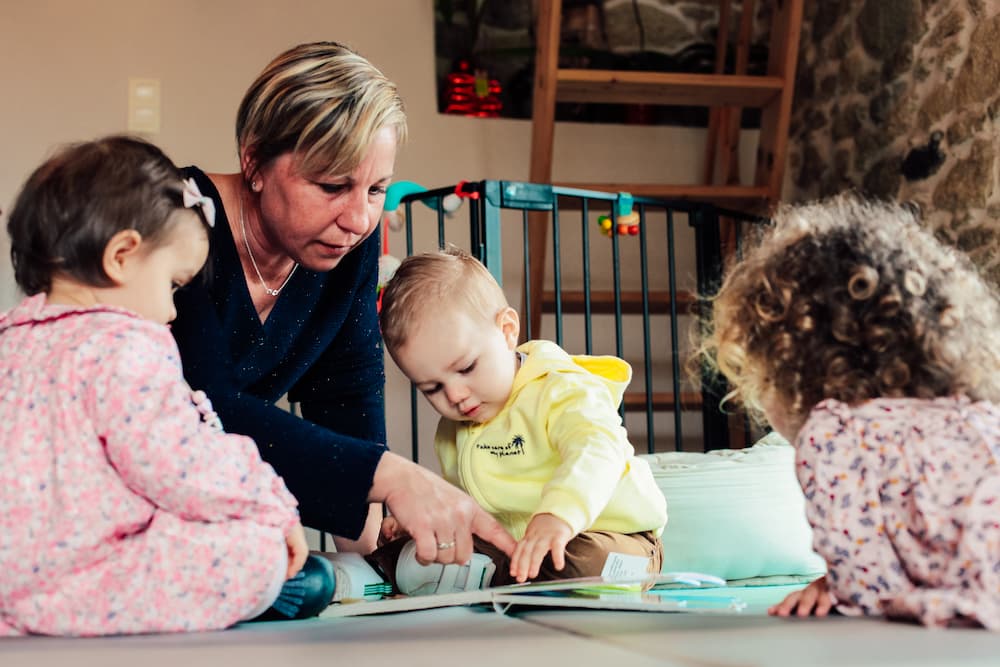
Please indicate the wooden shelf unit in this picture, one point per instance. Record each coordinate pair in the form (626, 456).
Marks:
(724, 94)
(621, 87)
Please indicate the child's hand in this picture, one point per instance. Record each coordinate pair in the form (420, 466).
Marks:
(390, 530)
(298, 550)
(815, 598)
(546, 533)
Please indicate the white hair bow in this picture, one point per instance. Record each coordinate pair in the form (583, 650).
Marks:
(193, 197)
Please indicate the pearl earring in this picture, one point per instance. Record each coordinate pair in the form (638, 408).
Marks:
(254, 186)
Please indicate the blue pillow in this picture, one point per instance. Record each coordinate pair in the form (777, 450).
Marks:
(735, 513)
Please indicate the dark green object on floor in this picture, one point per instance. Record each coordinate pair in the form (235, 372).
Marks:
(306, 594)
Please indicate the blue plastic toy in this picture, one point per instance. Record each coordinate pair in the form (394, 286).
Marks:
(394, 196)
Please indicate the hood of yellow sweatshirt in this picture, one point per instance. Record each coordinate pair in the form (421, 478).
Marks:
(543, 357)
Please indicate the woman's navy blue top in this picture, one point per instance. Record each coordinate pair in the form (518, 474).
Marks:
(320, 344)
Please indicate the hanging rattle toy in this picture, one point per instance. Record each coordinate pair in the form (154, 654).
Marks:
(627, 219)
(396, 191)
(392, 219)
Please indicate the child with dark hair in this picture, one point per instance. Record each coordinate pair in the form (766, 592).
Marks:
(874, 348)
(124, 507)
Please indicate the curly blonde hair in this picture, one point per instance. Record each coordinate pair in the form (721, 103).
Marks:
(852, 300)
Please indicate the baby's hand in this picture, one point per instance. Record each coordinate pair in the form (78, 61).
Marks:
(298, 550)
(390, 530)
(815, 598)
(546, 533)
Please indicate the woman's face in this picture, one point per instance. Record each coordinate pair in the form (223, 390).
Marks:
(316, 221)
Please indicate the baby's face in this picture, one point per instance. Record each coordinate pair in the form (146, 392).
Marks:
(464, 365)
(154, 275)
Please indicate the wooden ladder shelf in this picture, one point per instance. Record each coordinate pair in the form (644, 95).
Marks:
(724, 94)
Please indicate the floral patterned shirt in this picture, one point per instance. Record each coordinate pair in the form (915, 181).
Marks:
(123, 507)
(904, 499)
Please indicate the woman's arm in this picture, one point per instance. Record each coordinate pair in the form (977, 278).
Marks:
(433, 511)
(344, 389)
(369, 536)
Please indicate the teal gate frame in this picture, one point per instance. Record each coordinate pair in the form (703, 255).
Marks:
(488, 198)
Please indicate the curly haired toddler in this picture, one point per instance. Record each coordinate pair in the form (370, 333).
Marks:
(875, 349)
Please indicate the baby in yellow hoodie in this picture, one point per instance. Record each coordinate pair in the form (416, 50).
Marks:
(531, 432)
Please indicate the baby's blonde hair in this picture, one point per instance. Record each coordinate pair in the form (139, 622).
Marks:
(853, 300)
(447, 278)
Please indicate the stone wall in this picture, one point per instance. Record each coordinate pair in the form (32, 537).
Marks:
(900, 99)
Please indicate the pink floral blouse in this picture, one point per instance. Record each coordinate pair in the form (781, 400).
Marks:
(122, 509)
(904, 499)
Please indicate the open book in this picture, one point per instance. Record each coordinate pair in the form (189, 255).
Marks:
(658, 593)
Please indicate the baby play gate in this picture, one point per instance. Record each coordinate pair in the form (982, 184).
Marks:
(622, 275)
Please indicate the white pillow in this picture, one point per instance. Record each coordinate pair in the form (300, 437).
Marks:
(735, 513)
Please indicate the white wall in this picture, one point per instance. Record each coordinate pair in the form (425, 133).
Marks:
(65, 65)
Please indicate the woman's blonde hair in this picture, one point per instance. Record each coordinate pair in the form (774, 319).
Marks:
(321, 101)
(853, 300)
(449, 278)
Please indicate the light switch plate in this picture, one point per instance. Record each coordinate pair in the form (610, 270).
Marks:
(144, 105)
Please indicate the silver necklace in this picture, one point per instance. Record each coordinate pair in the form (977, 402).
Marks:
(246, 242)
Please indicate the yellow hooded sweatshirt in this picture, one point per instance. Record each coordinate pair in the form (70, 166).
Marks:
(558, 447)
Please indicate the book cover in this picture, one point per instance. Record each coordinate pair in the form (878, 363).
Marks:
(659, 593)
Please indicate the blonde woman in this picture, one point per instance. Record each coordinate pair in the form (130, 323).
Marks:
(289, 306)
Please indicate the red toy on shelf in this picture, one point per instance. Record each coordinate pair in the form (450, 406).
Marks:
(468, 93)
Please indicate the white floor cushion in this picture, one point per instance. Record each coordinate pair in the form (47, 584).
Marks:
(735, 513)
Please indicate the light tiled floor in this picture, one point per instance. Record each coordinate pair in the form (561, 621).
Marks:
(434, 638)
(559, 638)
